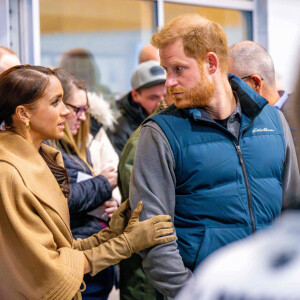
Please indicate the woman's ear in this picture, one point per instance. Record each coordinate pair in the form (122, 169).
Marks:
(212, 62)
(22, 113)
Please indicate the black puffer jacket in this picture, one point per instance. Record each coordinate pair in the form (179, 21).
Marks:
(84, 196)
(95, 126)
(132, 115)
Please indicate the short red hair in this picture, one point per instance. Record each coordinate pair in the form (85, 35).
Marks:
(199, 36)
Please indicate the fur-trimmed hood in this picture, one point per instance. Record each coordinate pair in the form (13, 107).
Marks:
(100, 110)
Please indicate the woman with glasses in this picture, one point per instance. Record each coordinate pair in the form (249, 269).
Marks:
(40, 259)
(90, 200)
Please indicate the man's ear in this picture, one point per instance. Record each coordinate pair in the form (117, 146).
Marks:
(135, 96)
(22, 113)
(257, 83)
(212, 62)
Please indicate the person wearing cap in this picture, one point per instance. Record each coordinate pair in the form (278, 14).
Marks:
(148, 89)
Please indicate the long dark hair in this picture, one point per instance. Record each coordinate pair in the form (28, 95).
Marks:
(24, 85)
(21, 85)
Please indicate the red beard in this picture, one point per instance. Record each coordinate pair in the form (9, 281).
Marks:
(198, 96)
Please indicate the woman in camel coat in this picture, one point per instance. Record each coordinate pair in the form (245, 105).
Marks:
(39, 257)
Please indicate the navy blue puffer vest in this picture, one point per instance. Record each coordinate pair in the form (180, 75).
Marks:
(225, 188)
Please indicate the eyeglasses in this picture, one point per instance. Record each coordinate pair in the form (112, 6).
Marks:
(78, 109)
(249, 76)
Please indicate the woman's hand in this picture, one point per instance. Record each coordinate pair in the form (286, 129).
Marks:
(110, 206)
(111, 175)
(148, 233)
(136, 237)
(120, 218)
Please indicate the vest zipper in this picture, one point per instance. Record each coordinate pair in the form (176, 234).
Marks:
(240, 155)
(245, 175)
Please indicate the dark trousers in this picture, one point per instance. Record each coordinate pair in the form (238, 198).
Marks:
(99, 286)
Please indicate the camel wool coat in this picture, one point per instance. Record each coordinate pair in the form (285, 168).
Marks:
(39, 259)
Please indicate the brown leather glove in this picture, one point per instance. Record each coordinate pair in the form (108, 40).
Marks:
(137, 236)
(117, 225)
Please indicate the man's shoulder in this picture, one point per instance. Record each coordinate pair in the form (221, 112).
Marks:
(270, 111)
(289, 104)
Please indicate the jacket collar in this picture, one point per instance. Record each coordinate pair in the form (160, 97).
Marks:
(251, 102)
(131, 110)
(35, 173)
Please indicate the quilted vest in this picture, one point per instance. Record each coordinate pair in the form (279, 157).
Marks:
(226, 188)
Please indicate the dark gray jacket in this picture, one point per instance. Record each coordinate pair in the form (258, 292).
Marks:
(132, 115)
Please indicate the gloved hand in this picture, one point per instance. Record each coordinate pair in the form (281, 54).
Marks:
(136, 237)
(148, 233)
(117, 225)
(120, 218)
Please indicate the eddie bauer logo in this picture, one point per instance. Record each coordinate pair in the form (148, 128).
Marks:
(262, 130)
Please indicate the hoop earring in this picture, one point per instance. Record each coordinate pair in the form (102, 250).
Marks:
(27, 126)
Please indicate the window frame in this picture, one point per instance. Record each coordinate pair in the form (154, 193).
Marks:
(28, 23)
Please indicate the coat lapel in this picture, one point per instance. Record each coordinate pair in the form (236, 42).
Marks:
(36, 174)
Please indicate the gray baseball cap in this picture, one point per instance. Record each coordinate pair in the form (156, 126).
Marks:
(147, 74)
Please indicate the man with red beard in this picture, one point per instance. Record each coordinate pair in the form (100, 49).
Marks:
(220, 161)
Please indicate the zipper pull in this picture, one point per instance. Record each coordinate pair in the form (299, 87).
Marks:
(239, 153)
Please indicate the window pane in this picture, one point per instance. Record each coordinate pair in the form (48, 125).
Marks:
(236, 24)
(113, 31)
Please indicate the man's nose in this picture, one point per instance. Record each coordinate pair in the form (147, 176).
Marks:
(171, 81)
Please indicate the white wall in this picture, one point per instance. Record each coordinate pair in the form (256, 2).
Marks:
(284, 39)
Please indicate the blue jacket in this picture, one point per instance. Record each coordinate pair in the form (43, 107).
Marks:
(226, 188)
